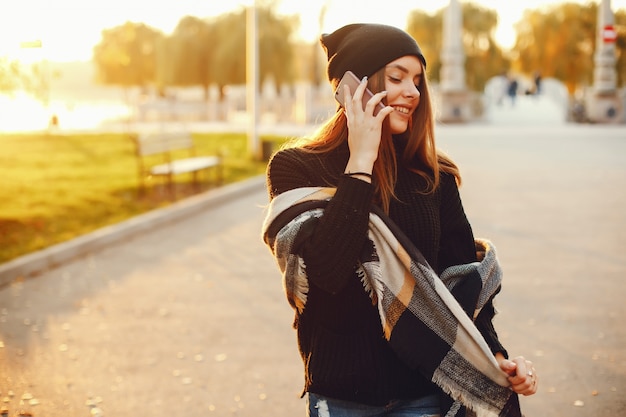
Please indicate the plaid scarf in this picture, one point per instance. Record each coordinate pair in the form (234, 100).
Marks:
(421, 319)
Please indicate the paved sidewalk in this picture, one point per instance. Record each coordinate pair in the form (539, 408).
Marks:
(36, 262)
(183, 320)
(527, 110)
(189, 319)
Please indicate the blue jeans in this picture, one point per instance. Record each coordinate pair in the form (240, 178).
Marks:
(320, 406)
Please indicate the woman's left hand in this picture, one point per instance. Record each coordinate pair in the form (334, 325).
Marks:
(522, 375)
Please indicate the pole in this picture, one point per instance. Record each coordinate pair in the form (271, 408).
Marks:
(454, 98)
(603, 103)
(605, 76)
(252, 82)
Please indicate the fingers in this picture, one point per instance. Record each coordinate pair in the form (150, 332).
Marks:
(508, 366)
(359, 100)
(377, 107)
(522, 376)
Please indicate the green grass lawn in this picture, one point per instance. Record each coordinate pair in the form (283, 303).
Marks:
(57, 187)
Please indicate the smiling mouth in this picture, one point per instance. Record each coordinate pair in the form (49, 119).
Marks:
(402, 110)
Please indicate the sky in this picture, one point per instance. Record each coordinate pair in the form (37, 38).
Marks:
(69, 29)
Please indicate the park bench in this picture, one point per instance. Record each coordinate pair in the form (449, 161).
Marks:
(159, 155)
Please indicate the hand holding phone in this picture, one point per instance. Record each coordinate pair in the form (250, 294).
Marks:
(352, 81)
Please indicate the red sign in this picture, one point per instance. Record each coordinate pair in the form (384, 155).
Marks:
(609, 35)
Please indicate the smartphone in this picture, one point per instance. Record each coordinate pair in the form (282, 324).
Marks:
(353, 82)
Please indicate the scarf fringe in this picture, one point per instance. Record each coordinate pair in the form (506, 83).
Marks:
(461, 398)
(296, 286)
(368, 284)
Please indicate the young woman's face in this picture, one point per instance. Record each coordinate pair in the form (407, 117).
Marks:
(402, 79)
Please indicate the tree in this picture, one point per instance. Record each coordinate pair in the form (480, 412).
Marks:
(126, 55)
(167, 66)
(11, 75)
(426, 29)
(483, 57)
(275, 51)
(199, 52)
(275, 48)
(185, 57)
(33, 79)
(229, 55)
(559, 41)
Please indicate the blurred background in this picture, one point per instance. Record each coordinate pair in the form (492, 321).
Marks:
(82, 65)
(79, 81)
(182, 313)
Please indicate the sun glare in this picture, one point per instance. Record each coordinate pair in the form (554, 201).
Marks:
(22, 112)
(42, 31)
(69, 29)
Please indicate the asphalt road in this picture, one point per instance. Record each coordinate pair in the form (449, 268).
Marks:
(189, 319)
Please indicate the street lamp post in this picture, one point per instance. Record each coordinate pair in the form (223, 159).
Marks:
(252, 82)
(453, 95)
(603, 104)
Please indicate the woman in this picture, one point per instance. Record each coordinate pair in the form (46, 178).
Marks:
(362, 356)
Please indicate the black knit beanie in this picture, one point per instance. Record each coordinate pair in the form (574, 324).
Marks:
(364, 48)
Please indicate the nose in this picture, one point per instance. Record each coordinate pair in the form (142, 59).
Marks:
(411, 90)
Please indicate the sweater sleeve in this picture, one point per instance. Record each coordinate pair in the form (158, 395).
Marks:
(484, 323)
(330, 255)
(457, 238)
(457, 247)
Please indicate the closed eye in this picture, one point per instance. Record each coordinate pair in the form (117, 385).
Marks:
(417, 82)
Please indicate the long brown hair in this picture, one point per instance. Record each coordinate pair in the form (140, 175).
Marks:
(420, 137)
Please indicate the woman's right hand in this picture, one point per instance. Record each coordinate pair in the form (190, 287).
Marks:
(364, 129)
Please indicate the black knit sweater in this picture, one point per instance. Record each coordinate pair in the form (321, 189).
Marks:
(340, 336)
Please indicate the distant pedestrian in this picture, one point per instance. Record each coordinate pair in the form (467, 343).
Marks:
(54, 121)
(537, 80)
(53, 124)
(512, 89)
